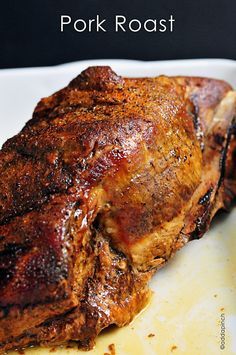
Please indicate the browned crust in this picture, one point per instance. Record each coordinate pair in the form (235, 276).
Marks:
(112, 155)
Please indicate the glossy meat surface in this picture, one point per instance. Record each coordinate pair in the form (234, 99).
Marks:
(107, 180)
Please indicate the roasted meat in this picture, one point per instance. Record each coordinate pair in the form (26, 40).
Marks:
(103, 185)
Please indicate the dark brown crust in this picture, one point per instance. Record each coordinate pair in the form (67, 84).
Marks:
(91, 183)
(111, 288)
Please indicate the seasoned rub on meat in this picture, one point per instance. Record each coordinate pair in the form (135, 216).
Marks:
(108, 179)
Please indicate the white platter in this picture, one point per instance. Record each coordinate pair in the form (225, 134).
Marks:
(199, 285)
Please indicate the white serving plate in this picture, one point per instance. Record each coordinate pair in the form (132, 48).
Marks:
(199, 285)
